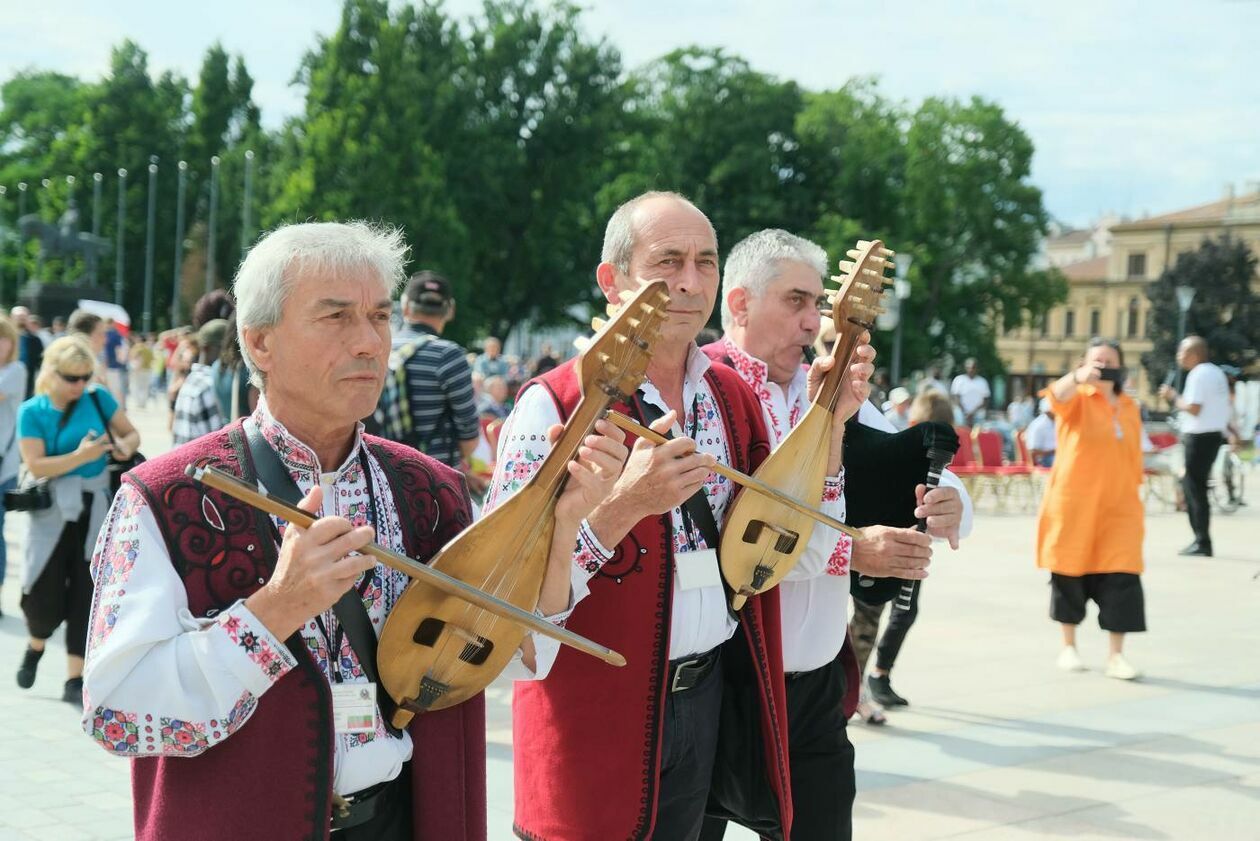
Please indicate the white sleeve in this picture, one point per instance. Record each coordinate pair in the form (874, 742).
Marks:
(158, 680)
(828, 551)
(523, 445)
(949, 480)
(870, 416)
(955, 386)
(1194, 385)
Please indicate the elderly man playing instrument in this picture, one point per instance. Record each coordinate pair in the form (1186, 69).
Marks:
(225, 658)
(630, 753)
(771, 288)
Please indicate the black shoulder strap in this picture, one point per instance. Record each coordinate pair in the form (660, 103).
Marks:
(697, 505)
(349, 609)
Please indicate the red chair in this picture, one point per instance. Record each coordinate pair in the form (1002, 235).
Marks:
(993, 471)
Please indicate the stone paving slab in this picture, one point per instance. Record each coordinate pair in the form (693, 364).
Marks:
(998, 744)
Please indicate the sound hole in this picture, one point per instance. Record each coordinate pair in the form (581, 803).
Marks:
(428, 632)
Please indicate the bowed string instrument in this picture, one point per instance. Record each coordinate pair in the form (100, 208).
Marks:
(768, 526)
(465, 614)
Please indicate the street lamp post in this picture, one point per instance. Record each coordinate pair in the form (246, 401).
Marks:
(179, 241)
(247, 200)
(3, 192)
(214, 219)
(901, 285)
(119, 263)
(148, 245)
(21, 276)
(1185, 297)
(67, 267)
(97, 178)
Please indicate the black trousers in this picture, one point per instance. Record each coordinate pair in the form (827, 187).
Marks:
(821, 757)
(391, 823)
(63, 591)
(1201, 449)
(688, 748)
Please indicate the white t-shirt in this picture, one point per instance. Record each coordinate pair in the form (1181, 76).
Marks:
(1039, 435)
(1207, 386)
(970, 391)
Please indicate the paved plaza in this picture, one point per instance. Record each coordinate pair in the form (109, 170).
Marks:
(998, 744)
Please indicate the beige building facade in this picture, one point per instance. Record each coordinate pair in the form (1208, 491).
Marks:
(1107, 294)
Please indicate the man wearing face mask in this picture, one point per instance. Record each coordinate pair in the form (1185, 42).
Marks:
(771, 287)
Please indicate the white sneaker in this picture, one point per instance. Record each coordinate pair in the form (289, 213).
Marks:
(1120, 668)
(1069, 660)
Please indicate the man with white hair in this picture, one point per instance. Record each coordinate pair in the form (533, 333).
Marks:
(771, 289)
(218, 648)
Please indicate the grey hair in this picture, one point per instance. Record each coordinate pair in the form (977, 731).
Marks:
(331, 249)
(619, 234)
(757, 259)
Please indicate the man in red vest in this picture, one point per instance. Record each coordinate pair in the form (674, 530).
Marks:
(603, 753)
(771, 288)
(237, 667)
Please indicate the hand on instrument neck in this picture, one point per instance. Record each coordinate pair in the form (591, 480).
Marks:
(854, 392)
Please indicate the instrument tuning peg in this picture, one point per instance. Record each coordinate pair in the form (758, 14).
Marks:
(647, 309)
(634, 323)
(826, 313)
(612, 310)
(864, 243)
(662, 299)
(854, 253)
(597, 324)
(892, 267)
(870, 273)
(625, 296)
(846, 266)
(581, 343)
(888, 253)
(605, 358)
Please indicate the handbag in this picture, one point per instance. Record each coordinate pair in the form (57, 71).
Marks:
(116, 467)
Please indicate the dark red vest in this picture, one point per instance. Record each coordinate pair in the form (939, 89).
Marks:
(586, 739)
(272, 779)
(848, 657)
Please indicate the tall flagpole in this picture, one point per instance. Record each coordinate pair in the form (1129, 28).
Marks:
(179, 242)
(147, 317)
(119, 263)
(214, 218)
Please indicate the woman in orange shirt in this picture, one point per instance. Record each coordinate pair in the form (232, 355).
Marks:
(1092, 521)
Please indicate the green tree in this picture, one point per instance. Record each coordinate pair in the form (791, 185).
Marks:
(1225, 310)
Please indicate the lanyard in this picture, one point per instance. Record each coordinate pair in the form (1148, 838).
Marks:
(334, 640)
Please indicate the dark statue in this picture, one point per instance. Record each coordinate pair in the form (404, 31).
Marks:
(63, 239)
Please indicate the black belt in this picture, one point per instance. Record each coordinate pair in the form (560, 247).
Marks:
(687, 673)
(362, 806)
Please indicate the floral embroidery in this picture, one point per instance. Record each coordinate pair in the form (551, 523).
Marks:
(833, 489)
(116, 731)
(257, 646)
(838, 563)
(183, 737)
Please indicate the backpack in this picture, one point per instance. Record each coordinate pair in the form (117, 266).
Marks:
(392, 418)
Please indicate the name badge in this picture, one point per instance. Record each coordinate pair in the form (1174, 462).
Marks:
(693, 570)
(354, 707)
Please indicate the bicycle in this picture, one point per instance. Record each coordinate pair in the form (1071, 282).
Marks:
(1227, 481)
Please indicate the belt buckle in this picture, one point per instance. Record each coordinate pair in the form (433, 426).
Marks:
(678, 673)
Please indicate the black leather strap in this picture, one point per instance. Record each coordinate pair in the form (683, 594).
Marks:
(349, 609)
(697, 505)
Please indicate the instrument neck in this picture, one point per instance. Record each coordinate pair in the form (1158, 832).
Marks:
(835, 380)
(554, 470)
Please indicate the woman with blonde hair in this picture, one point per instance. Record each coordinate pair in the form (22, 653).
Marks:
(12, 393)
(1090, 532)
(65, 433)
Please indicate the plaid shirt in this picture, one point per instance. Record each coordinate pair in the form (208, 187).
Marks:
(196, 406)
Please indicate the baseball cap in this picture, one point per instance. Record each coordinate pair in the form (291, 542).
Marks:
(898, 395)
(429, 292)
(212, 333)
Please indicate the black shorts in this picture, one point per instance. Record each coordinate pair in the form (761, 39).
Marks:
(1121, 605)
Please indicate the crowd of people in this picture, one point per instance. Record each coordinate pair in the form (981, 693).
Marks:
(188, 615)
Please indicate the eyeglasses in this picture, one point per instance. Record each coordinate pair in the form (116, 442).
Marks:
(74, 378)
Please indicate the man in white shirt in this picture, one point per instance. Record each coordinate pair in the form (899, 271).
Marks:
(898, 412)
(770, 291)
(971, 393)
(1039, 437)
(1205, 408)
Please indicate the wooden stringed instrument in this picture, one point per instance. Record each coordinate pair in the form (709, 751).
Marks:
(761, 542)
(436, 651)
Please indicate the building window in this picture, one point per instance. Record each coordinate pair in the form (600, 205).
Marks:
(1095, 322)
(1137, 264)
(1133, 318)
(1069, 323)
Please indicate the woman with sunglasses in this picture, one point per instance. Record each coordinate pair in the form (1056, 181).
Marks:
(1092, 521)
(65, 433)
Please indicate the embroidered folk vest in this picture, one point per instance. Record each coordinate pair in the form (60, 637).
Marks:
(272, 779)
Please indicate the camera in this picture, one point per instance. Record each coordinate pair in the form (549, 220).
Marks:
(1114, 375)
(34, 496)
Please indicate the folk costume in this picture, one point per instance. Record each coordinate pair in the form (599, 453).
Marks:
(233, 729)
(636, 724)
(823, 678)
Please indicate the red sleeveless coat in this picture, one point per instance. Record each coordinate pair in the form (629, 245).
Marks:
(586, 739)
(272, 780)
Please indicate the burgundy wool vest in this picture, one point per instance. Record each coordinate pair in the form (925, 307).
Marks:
(587, 738)
(272, 779)
(848, 657)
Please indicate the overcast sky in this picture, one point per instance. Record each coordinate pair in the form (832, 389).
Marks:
(1133, 106)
